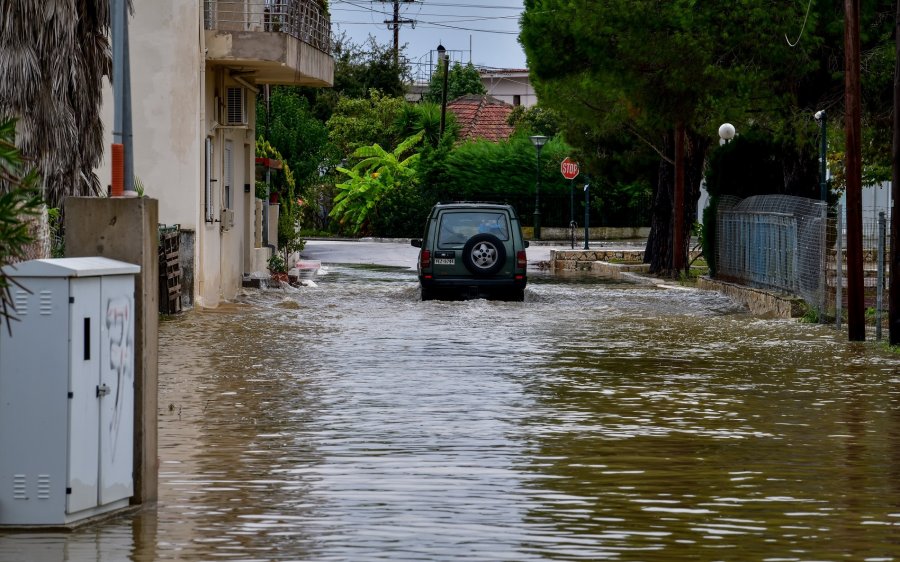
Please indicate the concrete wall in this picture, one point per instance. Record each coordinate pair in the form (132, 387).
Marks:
(166, 110)
(126, 230)
(177, 103)
(223, 248)
(277, 57)
(759, 301)
(506, 86)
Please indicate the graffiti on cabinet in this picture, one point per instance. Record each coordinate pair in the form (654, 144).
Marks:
(121, 359)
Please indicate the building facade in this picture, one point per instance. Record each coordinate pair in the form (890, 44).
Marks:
(197, 68)
(510, 85)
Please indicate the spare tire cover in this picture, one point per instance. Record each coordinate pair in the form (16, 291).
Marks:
(484, 254)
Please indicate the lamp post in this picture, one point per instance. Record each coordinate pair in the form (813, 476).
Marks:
(444, 63)
(820, 119)
(819, 116)
(538, 141)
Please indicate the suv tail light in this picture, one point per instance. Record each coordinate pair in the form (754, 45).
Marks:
(521, 259)
(425, 259)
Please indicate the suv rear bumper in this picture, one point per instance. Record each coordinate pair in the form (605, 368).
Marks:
(468, 282)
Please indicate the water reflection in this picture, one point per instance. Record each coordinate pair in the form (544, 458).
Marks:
(349, 421)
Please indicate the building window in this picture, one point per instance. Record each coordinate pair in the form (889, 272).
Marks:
(517, 99)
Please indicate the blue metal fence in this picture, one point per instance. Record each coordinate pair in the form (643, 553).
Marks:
(773, 242)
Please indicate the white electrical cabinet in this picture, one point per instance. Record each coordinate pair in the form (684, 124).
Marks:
(67, 391)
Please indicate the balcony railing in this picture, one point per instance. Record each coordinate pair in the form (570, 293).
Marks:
(304, 20)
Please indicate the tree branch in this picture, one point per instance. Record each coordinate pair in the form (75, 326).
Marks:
(633, 130)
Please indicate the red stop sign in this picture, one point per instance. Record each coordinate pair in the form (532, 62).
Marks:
(569, 168)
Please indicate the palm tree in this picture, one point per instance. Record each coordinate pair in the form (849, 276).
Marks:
(53, 57)
(20, 203)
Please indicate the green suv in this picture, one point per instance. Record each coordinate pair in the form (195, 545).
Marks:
(472, 250)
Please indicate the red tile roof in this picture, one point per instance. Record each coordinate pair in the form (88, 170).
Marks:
(481, 117)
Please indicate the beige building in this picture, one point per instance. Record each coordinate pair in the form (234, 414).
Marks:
(510, 85)
(197, 67)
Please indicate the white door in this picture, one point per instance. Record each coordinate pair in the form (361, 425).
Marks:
(116, 388)
(84, 406)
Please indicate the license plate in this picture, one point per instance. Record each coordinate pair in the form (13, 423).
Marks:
(443, 261)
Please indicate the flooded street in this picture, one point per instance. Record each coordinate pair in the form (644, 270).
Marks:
(596, 420)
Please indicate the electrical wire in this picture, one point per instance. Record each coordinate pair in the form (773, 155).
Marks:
(436, 20)
(797, 42)
(474, 18)
(444, 5)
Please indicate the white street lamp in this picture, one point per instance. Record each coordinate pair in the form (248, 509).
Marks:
(726, 132)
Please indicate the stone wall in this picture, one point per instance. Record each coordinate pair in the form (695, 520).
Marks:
(597, 233)
(760, 302)
(582, 260)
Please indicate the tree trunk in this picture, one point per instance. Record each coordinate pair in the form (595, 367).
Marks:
(39, 230)
(659, 250)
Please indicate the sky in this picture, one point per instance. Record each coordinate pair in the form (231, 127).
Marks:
(490, 26)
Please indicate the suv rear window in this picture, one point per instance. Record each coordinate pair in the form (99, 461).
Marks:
(457, 227)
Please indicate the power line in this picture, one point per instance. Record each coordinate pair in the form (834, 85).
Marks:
(395, 24)
(452, 16)
(441, 25)
(437, 26)
(444, 5)
(474, 18)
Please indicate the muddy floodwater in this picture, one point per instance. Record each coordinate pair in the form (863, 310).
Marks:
(349, 421)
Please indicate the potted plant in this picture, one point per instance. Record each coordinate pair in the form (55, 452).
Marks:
(278, 268)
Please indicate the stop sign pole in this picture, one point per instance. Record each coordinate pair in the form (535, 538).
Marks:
(569, 170)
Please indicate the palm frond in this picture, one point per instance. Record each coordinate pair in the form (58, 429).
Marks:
(53, 56)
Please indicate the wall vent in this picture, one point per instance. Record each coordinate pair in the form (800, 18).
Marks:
(20, 487)
(46, 303)
(235, 106)
(20, 302)
(43, 487)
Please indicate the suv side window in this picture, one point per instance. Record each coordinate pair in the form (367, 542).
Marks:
(457, 227)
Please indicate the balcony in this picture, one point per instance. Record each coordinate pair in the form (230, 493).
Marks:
(278, 41)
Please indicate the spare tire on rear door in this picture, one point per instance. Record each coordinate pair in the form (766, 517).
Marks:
(484, 254)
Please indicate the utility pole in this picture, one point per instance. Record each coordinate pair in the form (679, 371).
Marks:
(894, 291)
(394, 24)
(856, 321)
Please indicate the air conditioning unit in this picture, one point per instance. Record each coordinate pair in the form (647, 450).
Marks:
(227, 219)
(235, 106)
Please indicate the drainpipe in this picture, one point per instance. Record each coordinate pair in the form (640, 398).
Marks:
(265, 216)
(123, 145)
(202, 137)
